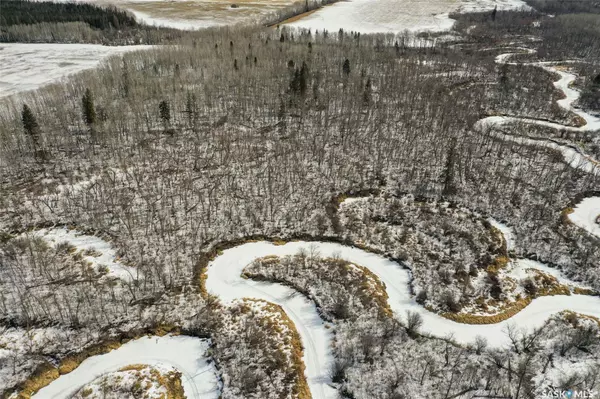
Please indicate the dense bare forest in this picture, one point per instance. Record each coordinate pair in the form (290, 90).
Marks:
(174, 153)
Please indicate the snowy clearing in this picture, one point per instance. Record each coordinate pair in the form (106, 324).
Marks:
(186, 354)
(393, 16)
(99, 252)
(587, 215)
(28, 66)
(224, 281)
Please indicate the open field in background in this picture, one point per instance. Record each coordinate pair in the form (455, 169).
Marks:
(201, 14)
(27, 66)
(390, 16)
(366, 16)
(198, 14)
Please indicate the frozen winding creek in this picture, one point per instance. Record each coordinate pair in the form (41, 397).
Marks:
(572, 155)
(185, 354)
(225, 281)
(188, 354)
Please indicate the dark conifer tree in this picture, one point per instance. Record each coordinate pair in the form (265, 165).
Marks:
(346, 67)
(88, 109)
(30, 125)
(164, 110)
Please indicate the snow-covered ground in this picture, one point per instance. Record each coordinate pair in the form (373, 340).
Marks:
(27, 66)
(592, 123)
(572, 155)
(101, 254)
(393, 16)
(224, 281)
(507, 232)
(185, 354)
(587, 215)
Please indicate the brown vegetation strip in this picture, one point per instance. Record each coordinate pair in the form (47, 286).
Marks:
(300, 389)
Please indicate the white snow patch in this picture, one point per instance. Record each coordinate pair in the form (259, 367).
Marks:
(27, 66)
(106, 259)
(224, 281)
(509, 235)
(350, 200)
(186, 354)
(587, 215)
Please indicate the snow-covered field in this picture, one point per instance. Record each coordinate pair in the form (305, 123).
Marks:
(96, 251)
(195, 14)
(185, 354)
(366, 16)
(393, 16)
(224, 281)
(27, 66)
(587, 215)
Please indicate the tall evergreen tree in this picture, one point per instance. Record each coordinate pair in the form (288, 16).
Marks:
(346, 67)
(191, 109)
(88, 109)
(30, 125)
(303, 76)
(368, 93)
(449, 175)
(164, 110)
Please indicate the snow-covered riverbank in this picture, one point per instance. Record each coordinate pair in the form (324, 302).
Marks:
(224, 280)
(185, 354)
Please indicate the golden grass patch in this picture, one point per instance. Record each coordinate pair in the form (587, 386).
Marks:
(584, 291)
(499, 263)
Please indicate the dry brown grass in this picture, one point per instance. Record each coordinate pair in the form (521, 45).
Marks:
(42, 376)
(509, 312)
(584, 291)
(499, 263)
